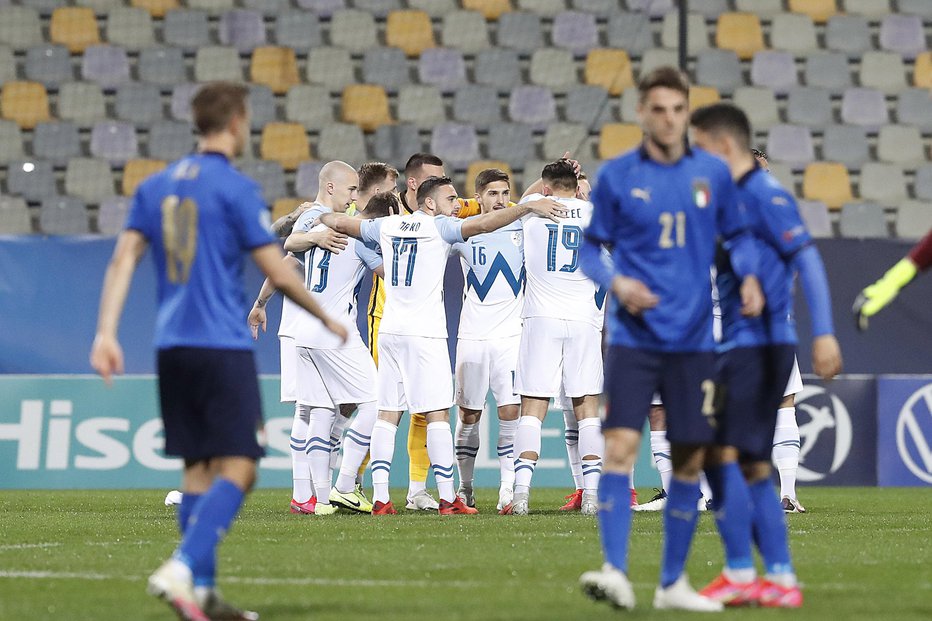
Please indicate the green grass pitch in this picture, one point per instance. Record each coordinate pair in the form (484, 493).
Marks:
(862, 553)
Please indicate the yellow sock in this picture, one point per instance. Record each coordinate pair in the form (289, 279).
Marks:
(417, 449)
(362, 466)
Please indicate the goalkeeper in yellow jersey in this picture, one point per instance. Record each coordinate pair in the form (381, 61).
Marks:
(876, 296)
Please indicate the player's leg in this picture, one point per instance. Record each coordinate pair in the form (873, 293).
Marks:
(466, 445)
(418, 465)
(502, 382)
(571, 439)
(660, 451)
(527, 449)
(472, 385)
(392, 402)
(508, 417)
(319, 446)
(312, 393)
(340, 423)
(583, 380)
(302, 491)
(347, 492)
(442, 460)
(786, 443)
(591, 449)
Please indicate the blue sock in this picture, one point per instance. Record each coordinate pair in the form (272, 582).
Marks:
(615, 518)
(186, 510)
(679, 524)
(732, 505)
(209, 523)
(769, 525)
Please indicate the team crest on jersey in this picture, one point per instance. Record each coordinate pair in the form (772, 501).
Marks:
(641, 193)
(517, 238)
(702, 195)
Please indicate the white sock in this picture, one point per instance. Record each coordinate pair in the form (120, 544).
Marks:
(591, 443)
(442, 459)
(704, 488)
(527, 440)
(631, 479)
(381, 449)
(467, 446)
(506, 452)
(786, 450)
(318, 451)
(661, 451)
(571, 437)
(300, 467)
(358, 437)
(336, 438)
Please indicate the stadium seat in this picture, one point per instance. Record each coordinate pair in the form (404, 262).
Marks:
(849, 34)
(827, 182)
(299, 30)
(534, 105)
(654, 58)
(274, 67)
(81, 102)
(395, 143)
(435, 8)
(575, 31)
(915, 7)
(793, 32)
(56, 142)
(27, 103)
(816, 218)
(465, 31)
(31, 178)
(269, 175)
(11, 142)
(307, 179)
(477, 167)
(330, 66)
(866, 107)
(520, 31)
(775, 70)
(170, 140)
(380, 8)
(697, 32)
(628, 105)
(478, 105)
(107, 65)
(268, 8)
(285, 206)
(922, 71)
(847, 144)
(15, 218)
(562, 137)
(74, 27)
(790, 144)
(63, 215)
(914, 107)
(810, 106)
(285, 143)
(630, 32)
(353, 30)
(262, 106)
(45, 7)
(868, 8)
(411, 31)
(719, 68)
(215, 62)
(157, 8)
(455, 143)
(828, 70)
(7, 64)
(923, 182)
(819, 10)
(421, 106)
(114, 141)
(497, 67)
(616, 138)
(49, 64)
(386, 66)
(653, 8)
(212, 6)
(365, 105)
(308, 105)
(490, 9)
(242, 29)
(182, 94)
(703, 96)
(138, 103)
(913, 219)
(161, 65)
(883, 70)
(882, 183)
(609, 69)
(341, 141)
(512, 143)
(740, 33)
(589, 105)
(130, 27)
(442, 67)
(20, 27)
(136, 171)
(112, 215)
(186, 29)
(89, 179)
(860, 220)
(783, 173)
(553, 68)
(902, 34)
(900, 144)
(599, 8)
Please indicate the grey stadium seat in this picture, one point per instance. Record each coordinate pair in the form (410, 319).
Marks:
(107, 65)
(217, 63)
(33, 179)
(562, 137)
(49, 64)
(81, 102)
(719, 68)
(575, 31)
(342, 141)
(442, 67)
(331, 66)
(465, 31)
(553, 68)
(309, 105)
(914, 107)
(902, 34)
(599, 8)
(849, 34)
(882, 183)
(629, 31)
(387, 66)
(324, 8)
(923, 182)
(420, 105)
(112, 215)
(114, 141)
(549, 8)
(828, 70)
(534, 105)
(764, 8)
(63, 215)
(138, 103)
(697, 37)
(11, 141)
(89, 179)
(847, 144)
(262, 106)
(900, 144)
(498, 67)
(269, 175)
(790, 144)
(299, 30)
(182, 94)
(161, 65)
(809, 106)
(170, 140)
(434, 8)
(760, 105)
(213, 6)
(589, 105)
(242, 29)
(353, 30)
(868, 8)
(865, 107)
(7, 64)
(775, 70)
(268, 8)
(15, 218)
(656, 57)
(883, 70)
(56, 142)
(20, 27)
(915, 7)
(455, 143)
(186, 29)
(815, 217)
(511, 142)
(793, 32)
(307, 178)
(379, 8)
(130, 27)
(478, 105)
(913, 219)
(860, 220)
(395, 143)
(654, 8)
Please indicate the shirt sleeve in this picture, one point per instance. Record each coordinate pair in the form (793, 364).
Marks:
(136, 218)
(450, 229)
(782, 223)
(921, 253)
(368, 255)
(369, 230)
(531, 197)
(602, 226)
(305, 221)
(251, 217)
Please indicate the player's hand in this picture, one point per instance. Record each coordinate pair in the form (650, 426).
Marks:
(257, 317)
(577, 167)
(337, 328)
(331, 240)
(876, 296)
(826, 356)
(752, 297)
(107, 357)
(547, 208)
(633, 295)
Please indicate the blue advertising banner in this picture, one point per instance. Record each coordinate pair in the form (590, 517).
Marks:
(904, 438)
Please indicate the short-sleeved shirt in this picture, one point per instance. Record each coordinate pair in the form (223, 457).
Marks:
(201, 217)
(415, 248)
(661, 222)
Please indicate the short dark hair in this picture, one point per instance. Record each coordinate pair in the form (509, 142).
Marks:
(383, 204)
(429, 188)
(215, 104)
(419, 160)
(664, 77)
(490, 175)
(372, 173)
(560, 175)
(724, 117)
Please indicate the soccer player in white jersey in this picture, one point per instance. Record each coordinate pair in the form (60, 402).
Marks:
(414, 363)
(489, 335)
(561, 340)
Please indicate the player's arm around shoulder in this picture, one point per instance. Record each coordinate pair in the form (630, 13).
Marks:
(366, 230)
(307, 235)
(533, 204)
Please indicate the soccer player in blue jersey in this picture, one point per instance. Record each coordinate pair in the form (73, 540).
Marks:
(756, 358)
(659, 209)
(202, 218)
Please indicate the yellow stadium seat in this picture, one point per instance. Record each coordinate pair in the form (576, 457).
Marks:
(703, 96)
(818, 10)
(156, 8)
(610, 69)
(741, 33)
(616, 138)
(490, 9)
(285, 143)
(74, 27)
(827, 182)
(365, 105)
(27, 103)
(922, 73)
(284, 206)
(136, 171)
(411, 31)
(476, 167)
(275, 67)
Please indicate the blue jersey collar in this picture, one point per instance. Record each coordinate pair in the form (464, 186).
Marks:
(642, 151)
(747, 176)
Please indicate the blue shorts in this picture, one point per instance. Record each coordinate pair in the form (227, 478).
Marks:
(752, 381)
(683, 379)
(210, 403)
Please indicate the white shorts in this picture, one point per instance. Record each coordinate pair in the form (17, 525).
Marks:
(346, 376)
(795, 384)
(484, 365)
(289, 358)
(414, 374)
(557, 353)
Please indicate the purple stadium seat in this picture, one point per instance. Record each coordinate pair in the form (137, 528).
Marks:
(575, 31)
(456, 143)
(182, 94)
(107, 65)
(775, 70)
(533, 105)
(866, 107)
(902, 34)
(307, 179)
(242, 29)
(442, 67)
(791, 144)
(114, 141)
(112, 215)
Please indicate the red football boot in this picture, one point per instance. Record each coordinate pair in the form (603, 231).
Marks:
(304, 507)
(383, 508)
(457, 507)
(574, 501)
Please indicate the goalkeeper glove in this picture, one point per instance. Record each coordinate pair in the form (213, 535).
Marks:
(876, 296)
